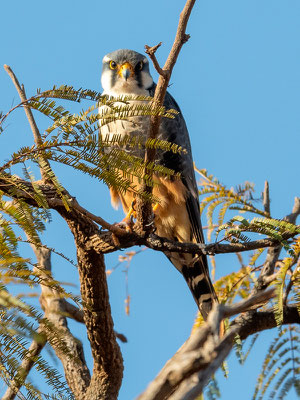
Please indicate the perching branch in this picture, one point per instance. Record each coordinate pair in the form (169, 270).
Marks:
(107, 242)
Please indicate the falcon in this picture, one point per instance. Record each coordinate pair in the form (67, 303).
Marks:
(177, 214)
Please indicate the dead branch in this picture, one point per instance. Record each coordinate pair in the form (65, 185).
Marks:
(266, 198)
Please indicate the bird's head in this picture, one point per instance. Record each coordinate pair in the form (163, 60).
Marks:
(126, 72)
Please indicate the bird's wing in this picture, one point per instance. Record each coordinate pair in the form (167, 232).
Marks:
(196, 273)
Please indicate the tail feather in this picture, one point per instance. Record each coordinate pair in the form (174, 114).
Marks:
(196, 274)
(198, 280)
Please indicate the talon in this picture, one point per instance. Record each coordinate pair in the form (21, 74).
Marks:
(131, 212)
(150, 223)
(155, 207)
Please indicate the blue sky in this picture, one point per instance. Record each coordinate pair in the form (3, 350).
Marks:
(237, 82)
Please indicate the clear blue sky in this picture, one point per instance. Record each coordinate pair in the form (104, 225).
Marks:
(238, 84)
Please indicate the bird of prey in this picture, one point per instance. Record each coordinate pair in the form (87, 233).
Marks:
(177, 216)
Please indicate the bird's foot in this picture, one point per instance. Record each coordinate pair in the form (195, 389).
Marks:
(127, 223)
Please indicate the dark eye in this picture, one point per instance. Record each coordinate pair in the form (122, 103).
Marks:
(113, 65)
(140, 66)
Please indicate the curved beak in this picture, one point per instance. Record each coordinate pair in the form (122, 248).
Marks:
(126, 70)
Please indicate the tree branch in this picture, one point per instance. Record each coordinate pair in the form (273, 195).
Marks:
(108, 363)
(25, 367)
(106, 242)
(77, 314)
(151, 53)
(266, 198)
(274, 252)
(144, 208)
(185, 375)
(36, 133)
(76, 371)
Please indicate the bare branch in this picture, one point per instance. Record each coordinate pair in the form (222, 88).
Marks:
(144, 208)
(266, 198)
(196, 354)
(25, 367)
(36, 133)
(151, 53)
(77, 314)
(108, 362)
(252, 302)
(185, 375)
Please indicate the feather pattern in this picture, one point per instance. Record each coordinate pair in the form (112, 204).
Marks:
(177, 216)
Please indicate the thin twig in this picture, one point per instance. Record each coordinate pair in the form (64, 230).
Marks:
(36, 133)
(77, 314)
(151, 53)
(266, 198)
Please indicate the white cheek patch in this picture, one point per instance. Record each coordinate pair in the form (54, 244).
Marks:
(106, 80)
(147, 80)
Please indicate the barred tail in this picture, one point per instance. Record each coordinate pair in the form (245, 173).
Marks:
(198, 280)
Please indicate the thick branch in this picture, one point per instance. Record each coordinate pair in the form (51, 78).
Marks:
(108, 363)
(196, 354)
(185, 375)
(107, 242)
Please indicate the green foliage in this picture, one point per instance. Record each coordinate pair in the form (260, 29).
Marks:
(280, 283)
(220, 202)
(74, 140)
(280, 370)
